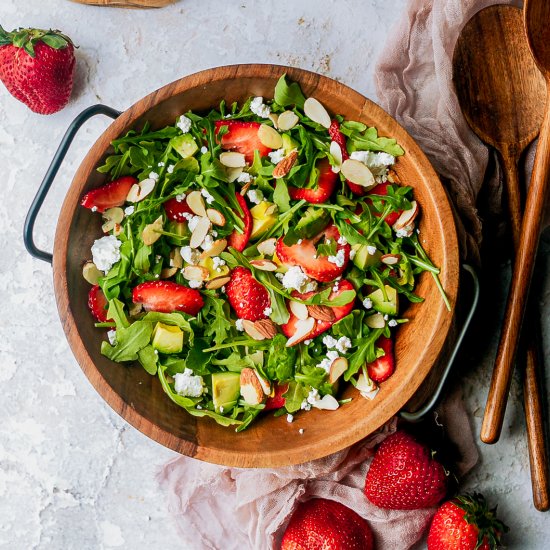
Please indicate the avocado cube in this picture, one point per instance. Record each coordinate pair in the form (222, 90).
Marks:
(312, 222)
(289, 144)
(389, 306)
(167, 338)
(363, 259)
(261, 221)
(185, 145)
(226, 389)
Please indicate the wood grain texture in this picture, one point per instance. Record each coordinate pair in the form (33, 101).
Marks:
(501, 92)
(271, 442)
(127, 3)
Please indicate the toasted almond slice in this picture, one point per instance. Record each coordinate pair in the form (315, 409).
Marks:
(336, 153)
(108, 226)
(168, 272)
(267, 247)
(196, 273)
(315, 111)
(250, 328)
(115, 214)
(233, 160)
(216, 283)
(338, 367)
(257, 358)
(393, 177)
(133, 194)
(364, 384)
(270, 137)
(264, 265)
(287, 120)
(274, 117)
(176, 259)
(216, 217)
(271, 209)
(327, 403)
(323, 313)
(251, 389)
(356, 172)
(303, 328)
(139, 191)
(285, 165)
(90, 273)
(245, 188)
(151, 233)
(266, 386)
(215, 250)
(195, 201)
(233, 173)
(266, 327)
(199, 233)
(375, 321)
(299, 310)
(117, 229)
(407, 217)
(390, 259)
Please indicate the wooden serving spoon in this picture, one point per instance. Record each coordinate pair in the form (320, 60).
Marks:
(501, 93)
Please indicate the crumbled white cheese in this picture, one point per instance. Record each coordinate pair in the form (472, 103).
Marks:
(129, 210)
(106, 252)
(170, 168)
(208, 197)
(367, 303)
(342, 240)
(276, 156)
(339, 259)
(217, 263)
(313, 396)
(268, 311)
(307, 342)
(190, 255)
(296, 279)
(386, 317)
(407, 231)
(184, 124)
(94, 209)
(289, 418)
(239, 325)
(377, 163)
(214, 233)
(343, 344)
(329, 341)
(154, 176)
(160, 164)
(207, 243)
(180, 197)
(392, 323)
(244, 177)
(111, 335)
(204, 149)
(371, 250)
(187, 384)
(328, 360)
(192, 222)
(258, 107)
(195, 284)
(255, 196)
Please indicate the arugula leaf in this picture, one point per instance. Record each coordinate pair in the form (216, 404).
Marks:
(219, 325)
(294, 396)
(279, 312)
(281, 196)
(234, 362)
(287, 95)
(281, 360)
(365, 352)
(130, 341)
(196, 359)
(148, 359)
(116, 313)
(327, 249)
(220, 419)
(368, 140)
(185, 402)
(177, 319)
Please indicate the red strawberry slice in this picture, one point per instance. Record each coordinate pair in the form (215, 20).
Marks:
(304, 255)
(325, 185)
(109, 195)
(97, 303)
(337, 136)
(247, 296)
(242, 137)
(289, 329)
(166, 297)
(383, 367)
(175, 210)
(382, 189)
(277, 401)
(239, 240)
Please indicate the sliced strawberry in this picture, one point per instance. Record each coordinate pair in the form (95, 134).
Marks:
(166, 297)
(277, 400)
(242, 137)
(98, 303)
(325, 185)
(289, 329)
(382, 368)
(337, 136)
(305, 255)
(175, 210)
(239, 240)
(109, 195)
(247, 296)
(382, 189)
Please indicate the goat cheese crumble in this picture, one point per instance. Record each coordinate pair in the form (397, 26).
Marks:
(184, 124)
(106, 252)
(296, 279)
(187, 384)
(276, 156)
(255, 196)
(259, 108)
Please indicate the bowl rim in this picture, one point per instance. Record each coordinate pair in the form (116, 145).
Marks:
(226, 457)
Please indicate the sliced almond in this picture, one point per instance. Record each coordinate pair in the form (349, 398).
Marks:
(285, 165)
(303, 329)
(390, 259)
(216, 217)
(287, 120)
(215, 250)
(264, 265)
(274, 117)
(196, 273)
(115, 214)
(266, 386)
(231, 159)
(393, 177)
(245, 188)
(251, 389)
(336, 154)
(271, 209)
(299, 310)
(90, 273)
(338, 367)
(199, 233)
(315, 111)
(327, 403)
(407, 217)
(151, 233)
(216, 283)
(139, 191)
(270, 137)
(266, 327)
(176, 259)
(250, 328)
(233, 173)
(323, 313)
(364, 384)
(375, 321)
(108, 226)
(195, 201)
(117, 229)
(356, 172)
(168, 272)
(267, 247)
(258, 359)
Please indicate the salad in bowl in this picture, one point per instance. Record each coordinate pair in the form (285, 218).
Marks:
(256, 258)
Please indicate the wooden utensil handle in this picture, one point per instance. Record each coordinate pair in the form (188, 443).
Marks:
(510, 161)
(519, 288)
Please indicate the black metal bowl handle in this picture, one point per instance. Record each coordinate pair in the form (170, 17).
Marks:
(28, 230)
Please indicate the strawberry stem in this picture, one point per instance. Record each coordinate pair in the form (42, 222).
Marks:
(28, 38)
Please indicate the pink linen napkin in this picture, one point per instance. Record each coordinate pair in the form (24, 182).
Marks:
(234, 508)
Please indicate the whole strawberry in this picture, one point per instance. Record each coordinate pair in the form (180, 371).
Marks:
(465, 523)
(322, 524)
(404, 476)
(37, 67)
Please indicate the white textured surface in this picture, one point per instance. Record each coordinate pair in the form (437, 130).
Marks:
(72, 473)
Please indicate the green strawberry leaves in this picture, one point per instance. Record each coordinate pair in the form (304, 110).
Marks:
(28, 38)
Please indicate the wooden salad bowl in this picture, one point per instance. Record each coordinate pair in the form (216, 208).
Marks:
(270, 442)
